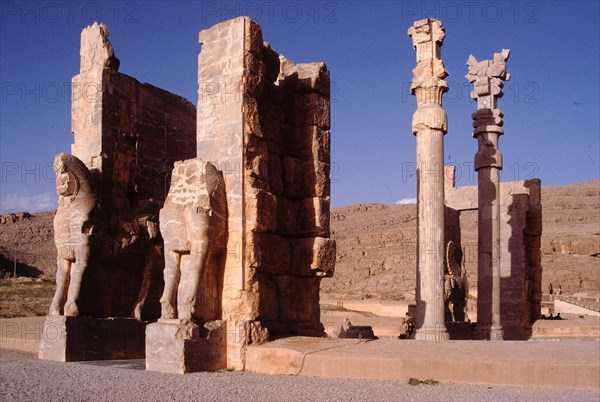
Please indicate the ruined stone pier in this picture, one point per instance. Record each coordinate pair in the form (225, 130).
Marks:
(429, 126)
(263, 122)
(487, 77)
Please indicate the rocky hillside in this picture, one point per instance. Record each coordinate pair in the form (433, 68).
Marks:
(376, 245)
(28, 241)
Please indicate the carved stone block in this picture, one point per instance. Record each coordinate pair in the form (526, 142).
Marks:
(175, 346)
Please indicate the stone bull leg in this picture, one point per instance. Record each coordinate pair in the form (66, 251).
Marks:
(62, 280)
(171, 274)
(148, 231)
(82, 255)
(197, 222)
(149, 267)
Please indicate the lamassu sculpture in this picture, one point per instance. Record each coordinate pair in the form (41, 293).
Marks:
(193, 224)
(456, 288)
(73, 227)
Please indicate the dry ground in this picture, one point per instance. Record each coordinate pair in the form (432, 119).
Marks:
(25, 298)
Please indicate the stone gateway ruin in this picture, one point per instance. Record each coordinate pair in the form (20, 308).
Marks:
(186, 234)
(217, 233)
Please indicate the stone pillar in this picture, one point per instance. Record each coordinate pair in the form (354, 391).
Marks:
(429, 126)
(487, 77)
(263, 121)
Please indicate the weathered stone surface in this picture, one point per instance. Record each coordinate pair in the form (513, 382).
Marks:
(177, 346)
(313, 256)
(127, 136)
(298, 298)
(456, 287)
(69, 339)
(74, 225)
(429, 126)
(309, 77)
(96, 49)
(487, 77)
(264, 122)
(271, 253)
(520, 224)
(193, 224)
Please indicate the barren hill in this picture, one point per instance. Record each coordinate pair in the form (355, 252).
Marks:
(27, 240)
(376, 245)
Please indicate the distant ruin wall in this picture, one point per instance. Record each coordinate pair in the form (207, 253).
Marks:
(520, 248)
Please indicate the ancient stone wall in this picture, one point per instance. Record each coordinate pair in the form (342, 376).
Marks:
(263, 121)
(129, 135)
(520, 248)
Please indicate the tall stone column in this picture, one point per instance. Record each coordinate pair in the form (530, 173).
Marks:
(429, 125)
(487, 77)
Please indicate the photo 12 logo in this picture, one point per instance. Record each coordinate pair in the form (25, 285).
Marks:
(60, 12)
(294, 12)
(519, 12)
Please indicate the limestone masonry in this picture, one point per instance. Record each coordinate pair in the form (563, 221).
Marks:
(264, 122)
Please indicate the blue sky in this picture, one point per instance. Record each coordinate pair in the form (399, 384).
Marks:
(551, 103)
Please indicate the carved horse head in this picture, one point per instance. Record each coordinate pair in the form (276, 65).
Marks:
(74, 182)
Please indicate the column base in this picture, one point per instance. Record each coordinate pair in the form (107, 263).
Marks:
(176, 346)
(488, 332)
(432, 334)
(71, 339)
(459, 330)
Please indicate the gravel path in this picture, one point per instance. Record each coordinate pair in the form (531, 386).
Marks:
(24, 377)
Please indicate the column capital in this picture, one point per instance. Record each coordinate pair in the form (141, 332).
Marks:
(427, 37)
(487, 77)
(428, 83)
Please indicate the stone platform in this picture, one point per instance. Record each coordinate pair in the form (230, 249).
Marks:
(543, 363)
(21, 333)
(71, 339)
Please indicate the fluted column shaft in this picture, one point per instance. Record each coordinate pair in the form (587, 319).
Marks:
(429, 126)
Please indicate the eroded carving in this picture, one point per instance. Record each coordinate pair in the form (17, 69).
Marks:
(145, 229)
(456, 287)
(193, 224)
(73, 227)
